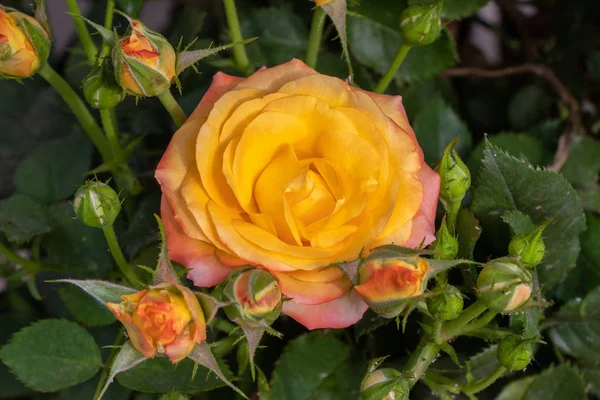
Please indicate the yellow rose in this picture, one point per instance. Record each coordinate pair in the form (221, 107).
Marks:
(167, 319)
(18, 55)
(293, 171)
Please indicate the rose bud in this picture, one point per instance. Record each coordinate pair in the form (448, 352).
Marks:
(166, 319)
(144, 62)
(529, 246)
(24, 44)
(96, 204)
(456, 179)
(504, 285)
(447, 305)
(445, 245)
(100, 88)
(514, 353)
(421, 24)
(384, 384)
(256, 297)
(386, 285)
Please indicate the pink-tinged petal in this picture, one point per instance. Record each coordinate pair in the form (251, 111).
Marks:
(199, 331)
(206, 269)
(340, 313)
(179, 348)
(314, 287)
(141, 343)
(221, 84)
(423, 225)
(271, 79)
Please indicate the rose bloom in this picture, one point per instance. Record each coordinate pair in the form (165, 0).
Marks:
(167, 319)
(293, 171)
(18, 57)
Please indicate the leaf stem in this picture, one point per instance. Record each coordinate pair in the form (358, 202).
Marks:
(84, 35)
(481, 384)
(391, 72)
(29, 265)
(455, 327)
(113, 245)
(111, 357)
(108, 23)
(480, 322)
(316, 34)
(420, 359)
(239, 51)
(173, 108)
(78, 108)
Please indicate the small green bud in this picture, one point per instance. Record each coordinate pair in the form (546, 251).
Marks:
(504, 285)
(100, 88)
(384, 384)
(421, 25)
(445, 245)
(447, 305)
(96, 204)
(529, 246)
(456, 177)
(514, 353)
(256, 297)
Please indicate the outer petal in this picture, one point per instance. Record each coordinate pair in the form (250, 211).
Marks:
(271, 79)
(140, 342)
(340, 313)
(179, 348)
(314, 287)
(206, 269)
(199, 332)
(423, 225)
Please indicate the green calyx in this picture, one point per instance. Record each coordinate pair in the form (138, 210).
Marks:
(445, 246)
(504, 285)
(515, 353)
(446, 305)
(96, 204)
(421, 24)
(529, 247)
(100, 88)
(455, 176)
(384, 383)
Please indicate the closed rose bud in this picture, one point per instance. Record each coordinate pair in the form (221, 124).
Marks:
(504, 285)
(421, 24)
(164, 320)
(100, 88)
(24, 44)
(256, 298)
(529, 247)
(514, 353)
(447, 305)
(96, 204)
(456, 177)
(384, 384)
(445, 246)
(144, 62)
(387, 285)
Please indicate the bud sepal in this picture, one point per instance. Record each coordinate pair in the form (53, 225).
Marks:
(515, 353)
(529, 246)
(100, 88)
(421, 25)
(446, 305)
(445, 246)
(383, 383)
(504, 285)
(96, 204)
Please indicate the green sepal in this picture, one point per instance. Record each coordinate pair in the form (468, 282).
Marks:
(337, 11)
(39, 39)
(127, 358)
(109, 36)
(40, 14)
(151, 81)
(186, 59)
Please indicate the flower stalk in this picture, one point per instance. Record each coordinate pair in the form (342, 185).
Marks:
(173, 108)
(239, 51)
(84, 35)
(315, 37)
(394, 66)
(117, 253)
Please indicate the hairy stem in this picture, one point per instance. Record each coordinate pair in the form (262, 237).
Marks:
(455, 327)
(391, 72)
(478, 386)
(173, 108)
(239, 51)
(113, 245)
(316, 34)
(420, 360)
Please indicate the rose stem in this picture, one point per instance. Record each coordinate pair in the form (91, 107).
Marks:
(420, 359)
(113, 353)
(171, 105)
(314, 40)
(239, 51)
(478, 386)
(113, 245)
(391, 72)
(84, 36)
(455, 327)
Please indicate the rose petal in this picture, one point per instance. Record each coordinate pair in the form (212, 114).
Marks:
(423, 225)
(271, 79)
(314, 287)
(179, 348)
(138, 340)
(193, 305)
(339, 313)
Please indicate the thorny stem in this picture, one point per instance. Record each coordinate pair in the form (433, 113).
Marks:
(316, 34)
(420, 359)
(391, 72)
(239, 51)
(173, 108)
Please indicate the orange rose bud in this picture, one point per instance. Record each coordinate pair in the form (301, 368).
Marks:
(322, 2)
(144, 62)
(387, 284)
(256, 298)
(166, 319)
(24, 44)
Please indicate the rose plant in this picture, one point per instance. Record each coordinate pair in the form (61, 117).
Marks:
(331, 219)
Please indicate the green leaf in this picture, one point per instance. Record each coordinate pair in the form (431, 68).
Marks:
(593, 65)
(84, 308)
(375, 45)
(518, 222)
(159, 375)
(54, 171)
(506, 184)
(283, 36)
(142, 229)
(529, 106)
(558, 383)
(468, 231)
(590, 198)
(130, 7)
(519, 145)
(583, 164)
(102, 291)
(51, 355)
(576, 327)
(174, 396)
(305, 364)
(22, 217)
(516, 390)
(592, 378)
(436, 125)
(457, 9)
(74, 245)
(418, 94)
(127, 358)
(344, 383)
